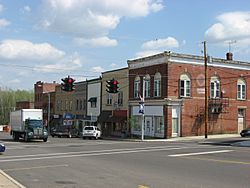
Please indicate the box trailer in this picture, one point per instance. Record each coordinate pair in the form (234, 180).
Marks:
(28, 124)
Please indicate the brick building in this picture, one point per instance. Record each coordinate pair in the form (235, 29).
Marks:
(24, 105)
(45, 98)
(174, 86)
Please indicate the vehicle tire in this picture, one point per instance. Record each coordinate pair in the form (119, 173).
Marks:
(70, 135)
(59, 136)
(45, 139)
(15, 136)
(26, 137)
(83, 138)
(53, 136)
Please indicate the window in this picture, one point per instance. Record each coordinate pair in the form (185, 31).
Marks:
(93, 102)
(185, 86)
(66, 105)
(120, 98)
(157, 85)
(77, 104)
(70, 105)
(80, 104)
(147, 86)
(58, 105)
(137, 87)
(61, 105)
(215, 88)
(241, 89)
(109, 99)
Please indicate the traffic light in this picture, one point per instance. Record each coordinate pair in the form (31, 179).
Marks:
(68, 84)
(112, 86)
(116, 86)
(71, 82)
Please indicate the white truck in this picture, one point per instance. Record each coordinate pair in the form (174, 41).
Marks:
(28, 124)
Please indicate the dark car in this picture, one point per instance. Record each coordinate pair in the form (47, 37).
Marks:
(245, 132)
(2, 147)
(64, 131)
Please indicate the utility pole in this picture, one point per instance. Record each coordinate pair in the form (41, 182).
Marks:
(143, 97)
(206, 89)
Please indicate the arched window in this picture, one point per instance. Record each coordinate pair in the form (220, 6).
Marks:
(147, 86)
(241, 89)
(157, 85)
(137, 87)
(185, 86)
(215, 87)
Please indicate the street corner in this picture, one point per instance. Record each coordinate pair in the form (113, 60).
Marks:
(8, 182)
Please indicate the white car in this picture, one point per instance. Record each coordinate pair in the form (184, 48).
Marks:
(91, 132)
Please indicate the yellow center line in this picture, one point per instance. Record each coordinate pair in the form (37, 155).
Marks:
(143, 186)
(219, 160)
(35, 167)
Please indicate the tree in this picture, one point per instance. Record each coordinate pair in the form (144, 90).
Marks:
(8, 99)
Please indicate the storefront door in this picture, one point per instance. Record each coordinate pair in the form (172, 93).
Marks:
(175, 121)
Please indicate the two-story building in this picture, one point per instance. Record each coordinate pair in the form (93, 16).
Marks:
(174, 95)
(114, 106)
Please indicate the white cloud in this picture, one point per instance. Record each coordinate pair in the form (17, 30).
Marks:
(25, 50)
(96, 42)
(46, 57)
(98, 69)
(1, 8)
(147, 53)
(92, 18)
(156, 46)
(25, 9)
(230, 26)
(4, 23)
(169, 42)
(113, 65)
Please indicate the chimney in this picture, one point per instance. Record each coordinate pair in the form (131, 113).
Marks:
(229, 56)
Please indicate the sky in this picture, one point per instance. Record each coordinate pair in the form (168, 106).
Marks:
(47, 40)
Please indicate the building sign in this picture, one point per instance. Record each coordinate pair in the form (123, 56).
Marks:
(201, 90)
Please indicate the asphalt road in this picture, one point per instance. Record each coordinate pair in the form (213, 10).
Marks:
(73, 162)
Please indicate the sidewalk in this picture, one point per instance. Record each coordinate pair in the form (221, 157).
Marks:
(176, 139)
(8, 182)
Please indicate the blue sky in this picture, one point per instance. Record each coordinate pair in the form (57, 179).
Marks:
(50, 39)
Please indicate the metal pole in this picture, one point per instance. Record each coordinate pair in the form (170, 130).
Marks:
(142, 123)
(48, 113)
(206, 89)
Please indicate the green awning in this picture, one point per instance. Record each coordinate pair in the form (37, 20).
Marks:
(92, 99)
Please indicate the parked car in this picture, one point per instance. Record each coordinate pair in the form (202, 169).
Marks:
(64, 131)
(245, 132)
(2, 147)
(91, 132)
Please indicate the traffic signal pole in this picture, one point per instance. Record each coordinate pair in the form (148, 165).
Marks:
(206, 89)
(142, 121)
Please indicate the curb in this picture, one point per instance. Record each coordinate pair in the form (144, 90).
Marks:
(9, 180)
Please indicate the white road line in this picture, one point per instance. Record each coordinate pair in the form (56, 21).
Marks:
(19, 146)
(90, 153)
(200, 153)
(36, 167)
(84, 152)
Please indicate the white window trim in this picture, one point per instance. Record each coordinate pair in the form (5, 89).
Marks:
(185, 88)
(215, 91)
(240, 92)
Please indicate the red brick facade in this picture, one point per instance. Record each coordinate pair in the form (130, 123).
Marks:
(223, 110)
